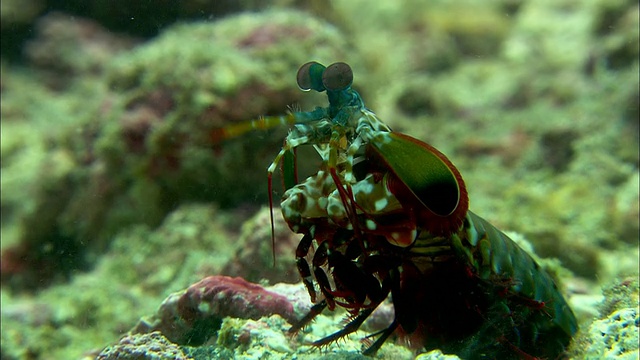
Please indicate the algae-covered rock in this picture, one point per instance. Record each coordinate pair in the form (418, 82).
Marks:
(191, 243)
(41, 171)
(436, 355)
(615, 337)
(253, 335)
(151, 346)
(66, 49)
(618, 24)
(142, 147)
(254, 258)
(95, 308)
(623, 294)
(192, 79)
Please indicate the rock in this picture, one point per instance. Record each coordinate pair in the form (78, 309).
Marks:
(615, 337)
(192, 316)
(151, 346)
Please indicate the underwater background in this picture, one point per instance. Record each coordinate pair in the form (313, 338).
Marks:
(115, 200)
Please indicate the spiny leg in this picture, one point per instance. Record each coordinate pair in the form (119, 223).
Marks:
(384, 335)
(351, 327)
(306, 320)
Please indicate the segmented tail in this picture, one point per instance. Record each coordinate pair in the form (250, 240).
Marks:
(496, 256)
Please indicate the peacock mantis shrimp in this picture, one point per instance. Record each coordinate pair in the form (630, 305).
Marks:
(387, 215)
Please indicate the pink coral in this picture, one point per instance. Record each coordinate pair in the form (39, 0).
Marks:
(193, 315)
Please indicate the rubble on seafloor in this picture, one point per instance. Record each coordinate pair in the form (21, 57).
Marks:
(143, 346)
(223, 317)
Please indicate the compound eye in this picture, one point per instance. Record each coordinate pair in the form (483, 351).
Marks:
(310, 76)
(338, 76)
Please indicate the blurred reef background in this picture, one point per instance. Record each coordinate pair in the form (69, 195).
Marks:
(114, 199)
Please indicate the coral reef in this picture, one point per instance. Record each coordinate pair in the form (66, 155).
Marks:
(105, 149)
(266, 338)
(192, 316)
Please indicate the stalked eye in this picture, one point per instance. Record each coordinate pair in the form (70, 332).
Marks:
(338, 76)
(310, 76)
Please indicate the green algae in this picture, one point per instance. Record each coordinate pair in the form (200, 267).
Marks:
(130, 281)
(128, 147)
(622, 294)
(254, 260)
(175, 94)
(36, 121)
(266, 339)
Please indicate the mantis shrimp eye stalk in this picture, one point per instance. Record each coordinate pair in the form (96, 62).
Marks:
(337, 77)
(310, 77)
